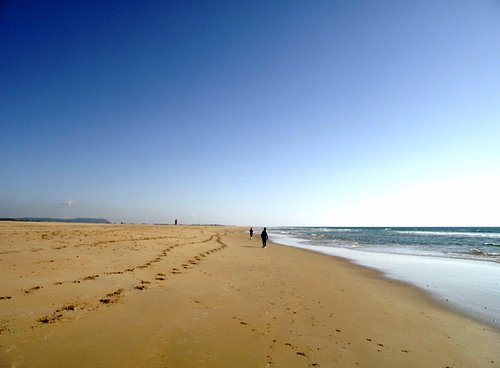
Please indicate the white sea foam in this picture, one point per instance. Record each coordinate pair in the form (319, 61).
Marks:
(449, 233)
(478, 252)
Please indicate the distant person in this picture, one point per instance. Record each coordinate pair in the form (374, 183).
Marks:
(176, 221)
(264, 237)
(251, 233)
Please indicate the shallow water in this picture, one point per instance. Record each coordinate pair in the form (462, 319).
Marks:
(478, 243)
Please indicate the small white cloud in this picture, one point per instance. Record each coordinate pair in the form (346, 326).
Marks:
(70, 203)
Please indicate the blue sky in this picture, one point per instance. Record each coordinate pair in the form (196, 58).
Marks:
(332, 113)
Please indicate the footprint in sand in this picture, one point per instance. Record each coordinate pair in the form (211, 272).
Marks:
(91, 277)
(112, 297)
(160, 278)
(33, 289)
(58, 314)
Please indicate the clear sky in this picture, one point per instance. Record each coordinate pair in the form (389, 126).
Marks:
(340, 113)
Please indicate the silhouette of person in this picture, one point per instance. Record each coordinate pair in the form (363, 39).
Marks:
(264, 237)
(251, 233)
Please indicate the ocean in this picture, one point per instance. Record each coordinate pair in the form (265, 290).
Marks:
(458, 266)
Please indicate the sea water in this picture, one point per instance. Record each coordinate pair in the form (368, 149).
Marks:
(458, 266)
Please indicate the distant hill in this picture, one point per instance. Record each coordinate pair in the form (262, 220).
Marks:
(49, 219)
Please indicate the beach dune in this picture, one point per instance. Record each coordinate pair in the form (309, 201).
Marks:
(86, 295)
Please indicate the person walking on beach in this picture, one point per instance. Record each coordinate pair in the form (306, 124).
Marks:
(251, 233)
(264, 237)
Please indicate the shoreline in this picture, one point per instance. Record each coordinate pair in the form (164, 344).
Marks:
(200, 296)
(451, 282)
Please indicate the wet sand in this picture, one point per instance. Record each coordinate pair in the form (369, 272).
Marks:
(83, 295)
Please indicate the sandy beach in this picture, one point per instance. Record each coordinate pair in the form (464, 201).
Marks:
(85, 295)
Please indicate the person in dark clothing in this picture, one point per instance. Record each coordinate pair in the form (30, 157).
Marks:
(251, 233)
(264, 237)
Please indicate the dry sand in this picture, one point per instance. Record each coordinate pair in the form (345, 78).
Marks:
(76, 295)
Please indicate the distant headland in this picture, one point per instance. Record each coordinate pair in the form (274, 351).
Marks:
(50, 219)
